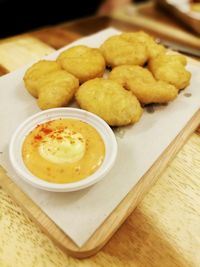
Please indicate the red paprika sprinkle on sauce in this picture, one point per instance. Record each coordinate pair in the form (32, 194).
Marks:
(46, 130)
(37, 137)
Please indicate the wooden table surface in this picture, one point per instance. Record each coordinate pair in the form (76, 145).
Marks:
(163, 231)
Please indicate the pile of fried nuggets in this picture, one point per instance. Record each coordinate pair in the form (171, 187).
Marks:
(142, 73)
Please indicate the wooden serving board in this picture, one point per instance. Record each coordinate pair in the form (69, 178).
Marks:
(118, 216)
(124, 209)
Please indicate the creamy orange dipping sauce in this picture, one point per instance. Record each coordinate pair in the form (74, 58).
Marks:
(63, 150)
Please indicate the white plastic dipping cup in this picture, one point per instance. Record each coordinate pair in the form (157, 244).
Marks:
(106, 133)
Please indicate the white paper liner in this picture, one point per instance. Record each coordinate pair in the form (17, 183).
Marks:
(80, 213)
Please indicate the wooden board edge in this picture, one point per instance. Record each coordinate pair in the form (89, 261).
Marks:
(118, 216)
(36, 214)
(3, 70)
(132, 199)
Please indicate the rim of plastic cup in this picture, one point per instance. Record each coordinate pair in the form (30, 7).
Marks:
(15, 148)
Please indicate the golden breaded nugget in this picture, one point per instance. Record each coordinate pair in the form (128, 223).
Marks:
(153, 48)
(83, 62)
(56, 89)
(171, 69)
(110, 101)
(118, 50)
(143, 85)
(37, 71)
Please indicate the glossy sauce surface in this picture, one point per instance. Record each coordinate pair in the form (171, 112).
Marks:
(63, 150)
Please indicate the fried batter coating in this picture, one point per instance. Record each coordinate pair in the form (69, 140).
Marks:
(171, 69)
(143, 85)
(83, 62)
(120, 50)
(56, 89)
(37, 71)
(110, 101)
(154, 49)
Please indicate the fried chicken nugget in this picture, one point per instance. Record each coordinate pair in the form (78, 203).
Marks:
(37, 71)
(154, 49)
(56, 89)
(83, 62)
(110, 101)
(143, 85)
(171, 69)
(119, 50)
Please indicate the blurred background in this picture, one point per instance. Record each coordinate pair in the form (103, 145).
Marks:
(18, 16)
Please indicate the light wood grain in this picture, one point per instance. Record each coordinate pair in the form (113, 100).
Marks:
(162, 231)
(118, 216)
(153, 236)
(16, 52)
(156, 24)
(56, 38)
